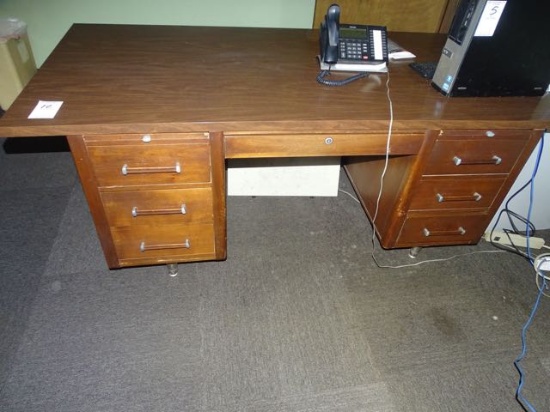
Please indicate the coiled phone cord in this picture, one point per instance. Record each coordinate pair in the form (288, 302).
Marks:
(323, 73)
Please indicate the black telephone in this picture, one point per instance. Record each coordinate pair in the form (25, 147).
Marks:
(350, 44)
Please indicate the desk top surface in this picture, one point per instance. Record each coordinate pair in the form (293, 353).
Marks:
(147, 79)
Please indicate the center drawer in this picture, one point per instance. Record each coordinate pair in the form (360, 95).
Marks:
(319, 144)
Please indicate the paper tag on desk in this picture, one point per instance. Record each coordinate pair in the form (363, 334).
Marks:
(45, 109)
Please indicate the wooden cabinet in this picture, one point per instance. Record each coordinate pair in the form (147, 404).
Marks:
(155, 198)
(430, 16)
(448, 193)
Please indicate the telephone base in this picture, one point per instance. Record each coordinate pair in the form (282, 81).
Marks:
(374, 67)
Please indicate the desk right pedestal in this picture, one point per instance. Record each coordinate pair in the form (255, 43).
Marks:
(448, 193)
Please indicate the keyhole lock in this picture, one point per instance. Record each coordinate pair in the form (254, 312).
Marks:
(329, 140)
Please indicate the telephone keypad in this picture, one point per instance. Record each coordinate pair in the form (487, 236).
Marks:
(353, 49)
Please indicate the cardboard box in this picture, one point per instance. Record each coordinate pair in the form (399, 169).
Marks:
(17, 65)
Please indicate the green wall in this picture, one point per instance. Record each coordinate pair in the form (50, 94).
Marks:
(48, 20)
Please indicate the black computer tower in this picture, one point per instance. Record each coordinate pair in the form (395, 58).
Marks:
(496, 48)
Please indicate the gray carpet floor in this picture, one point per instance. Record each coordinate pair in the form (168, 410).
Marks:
(299, 318)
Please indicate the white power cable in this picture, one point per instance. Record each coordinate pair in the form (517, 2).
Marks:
(541, 264)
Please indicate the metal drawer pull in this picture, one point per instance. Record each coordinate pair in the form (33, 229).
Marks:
(185, 245)
(495, 160)
(147, 212)
(474, 196)
(136, 170)
(459, 231)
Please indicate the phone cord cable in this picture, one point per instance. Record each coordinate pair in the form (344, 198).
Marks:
(323, 73)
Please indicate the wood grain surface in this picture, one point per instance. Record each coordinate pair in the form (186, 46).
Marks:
(148, 79)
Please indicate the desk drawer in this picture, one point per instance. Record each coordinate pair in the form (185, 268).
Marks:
(302, 145)
(157, 244)
(457, 192)
(442, 230)
(158, 207)
(128, 161)
(475, 153)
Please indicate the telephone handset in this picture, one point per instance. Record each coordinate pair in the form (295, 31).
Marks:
(330, 35)
(353, 45)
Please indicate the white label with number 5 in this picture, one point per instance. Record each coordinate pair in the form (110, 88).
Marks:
(490, 18)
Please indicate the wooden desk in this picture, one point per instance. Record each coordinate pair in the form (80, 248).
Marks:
(152, 112)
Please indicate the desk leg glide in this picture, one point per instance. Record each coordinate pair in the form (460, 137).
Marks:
(413, 252)
(172, 269)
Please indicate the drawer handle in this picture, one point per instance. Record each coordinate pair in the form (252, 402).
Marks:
(495, 160)
(185, 245)
(468, 198)
(136, 170)
(460, 231)
(148, 212)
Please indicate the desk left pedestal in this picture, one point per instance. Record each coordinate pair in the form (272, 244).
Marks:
(155, 198)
